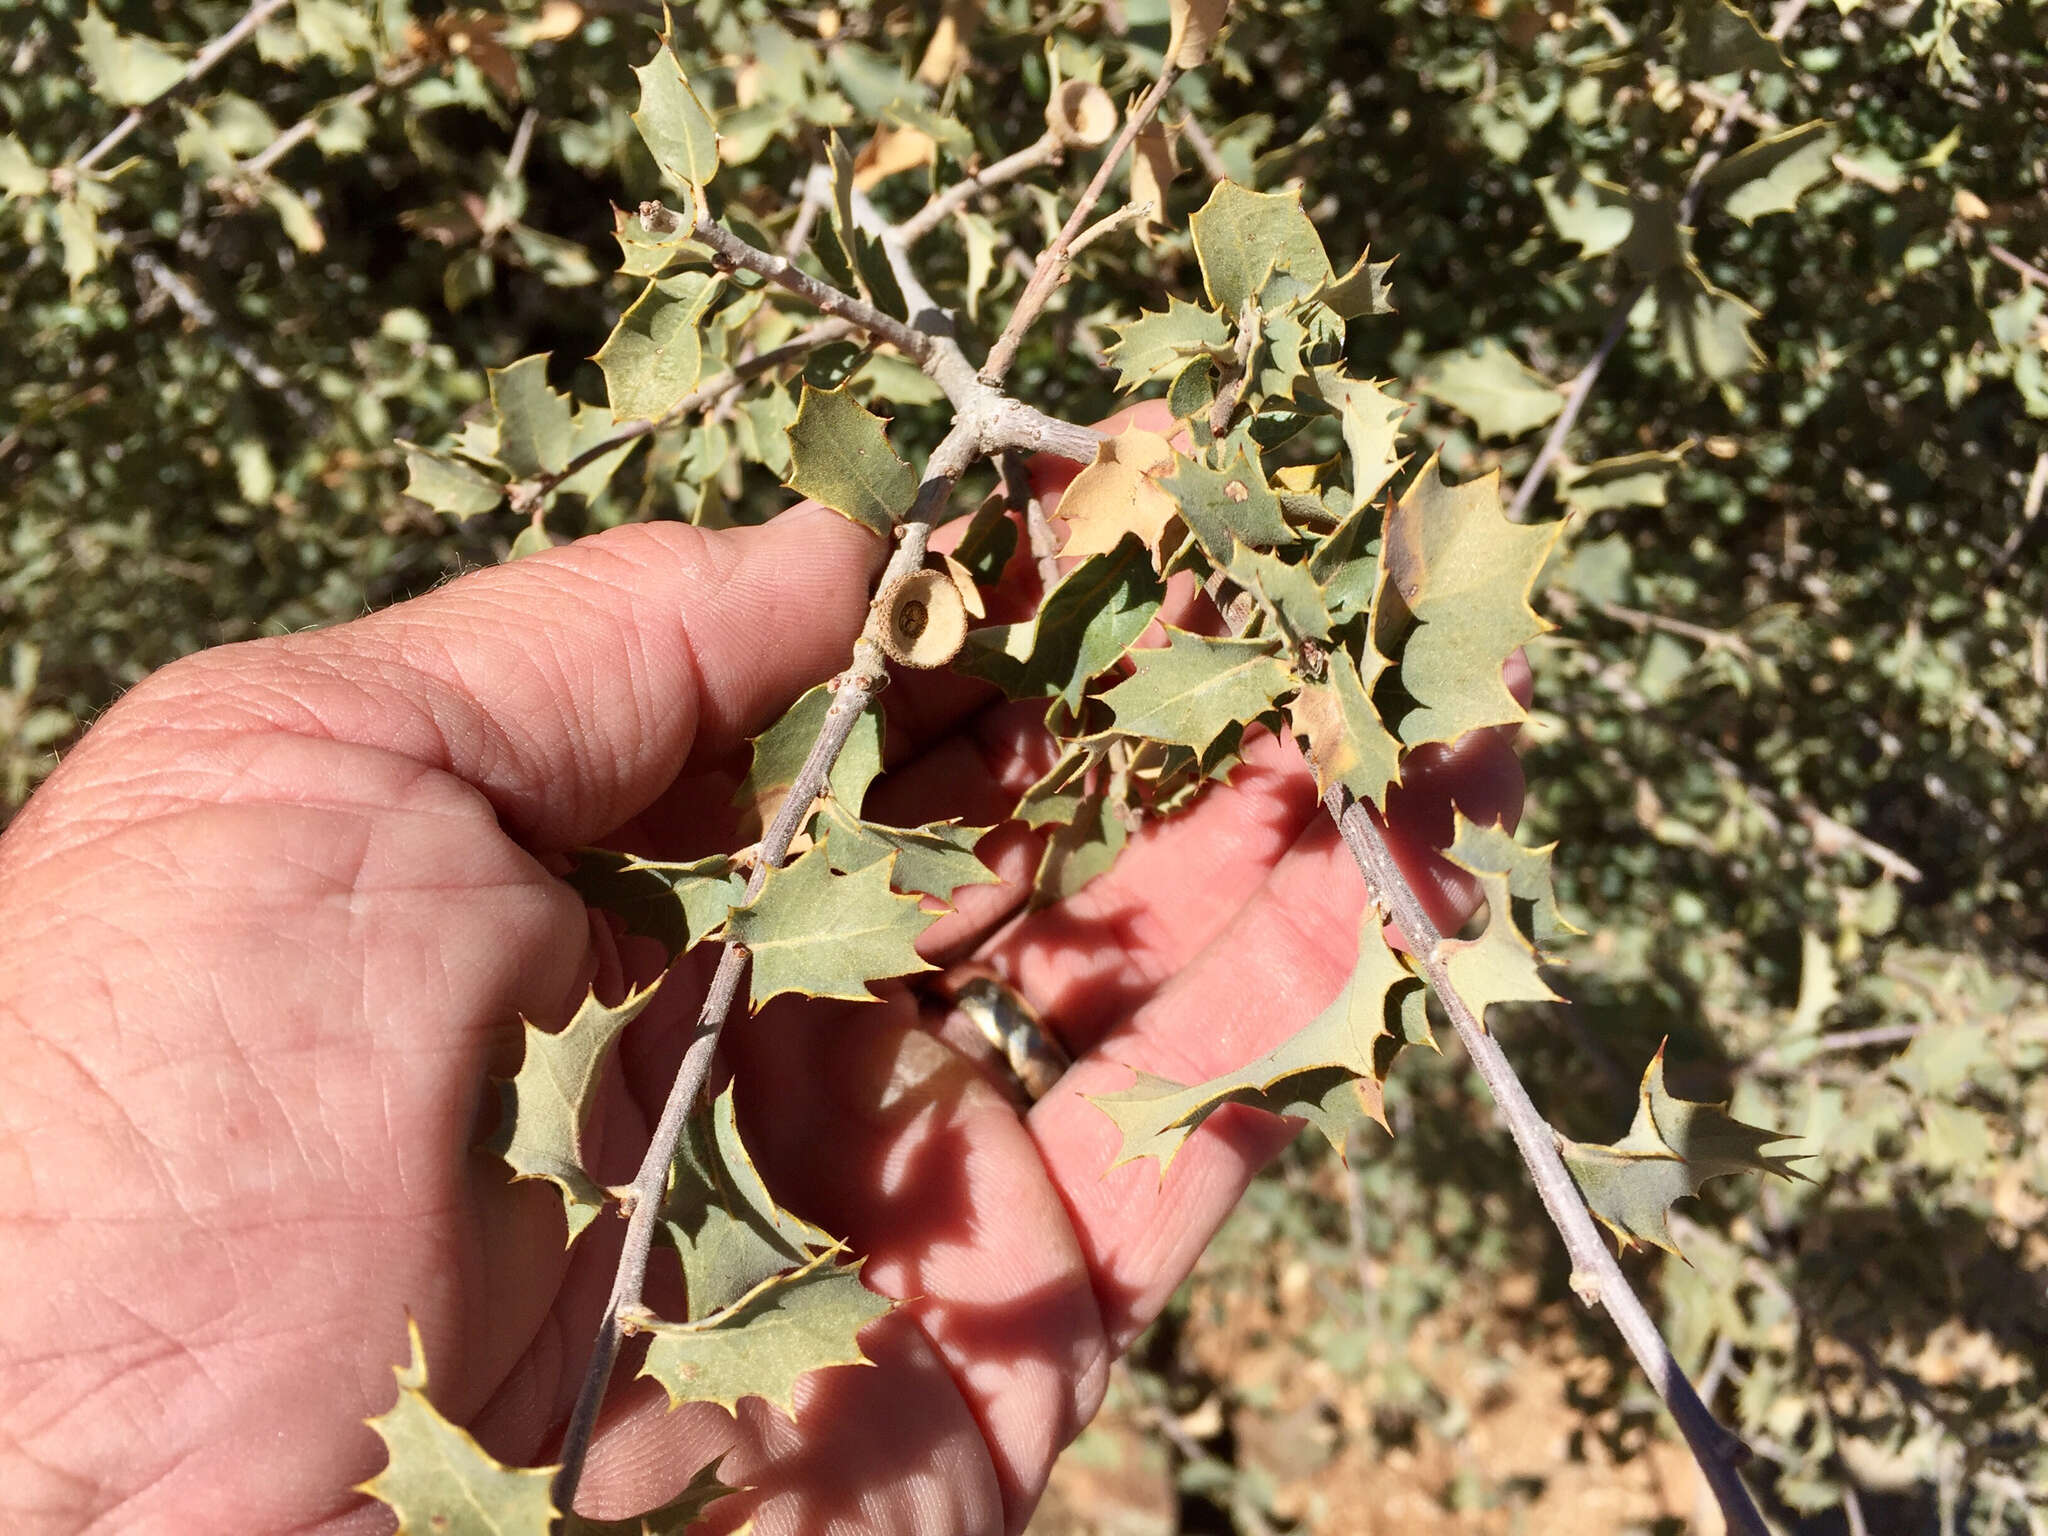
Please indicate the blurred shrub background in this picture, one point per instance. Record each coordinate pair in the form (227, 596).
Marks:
(1792, 731)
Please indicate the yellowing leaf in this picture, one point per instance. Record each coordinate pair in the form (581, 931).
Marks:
(1195, 688)
(544, 1107)
(1081, 629)
(1671, 1150)
(766, 1342)
(839, 455)
(1194, 25)
(1257, 245)
(1490, 384)
(128, 71)
(1152, 170)
(892, 149)
(1771, 175)
(1346, 741)
(677, 130)
(1328, 1072)
(824, 935)
(655, 355)
(1161, 341)
(439, 1481)
(723, 1223)
(1116, 495)
(1464, 573)
(20, 175)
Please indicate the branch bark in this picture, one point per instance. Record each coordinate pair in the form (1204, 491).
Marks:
(1596, 1276)
(202, 61)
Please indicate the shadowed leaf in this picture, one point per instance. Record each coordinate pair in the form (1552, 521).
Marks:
(839, 454)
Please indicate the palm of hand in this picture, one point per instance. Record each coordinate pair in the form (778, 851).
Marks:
(270, 926)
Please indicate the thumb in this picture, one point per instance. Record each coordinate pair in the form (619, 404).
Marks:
(569, 687)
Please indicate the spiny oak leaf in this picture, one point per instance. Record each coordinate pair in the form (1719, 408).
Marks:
(1341, 732)
(127, 70)
(781, 751)
(766, 1342)
(1486, 848)
(1464, 574)
(1226, 504)
(1162, 341)
(1771, 175)
(1491, 385)
(677, 905)
(545, 1105)
(655, 355)
(725, 1226)
(840, 455)
(1329, 1071)
(1117, 495)
(1673, 1147)
(1289, 594)
(935, 859)
(439, 1481)
(1194, 688)
(824, 935)
(1082, 628)
(672, 1519)
(1257, 245)
(535, 426)
(447, 484)
(1361, 291)
(677, 130)
(1370, 419)
(1500, 965)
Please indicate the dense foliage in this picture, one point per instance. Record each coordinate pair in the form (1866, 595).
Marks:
(1790, 734)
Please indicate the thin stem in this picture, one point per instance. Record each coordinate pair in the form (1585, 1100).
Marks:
(202, 61)
(2026, 269)
(1052, 261)
(258, 165)
(712, 390)
(728, 251)
(1037, 155)
(1617, 323)
(1045, 548)
(1596, 1276)
(195, 308)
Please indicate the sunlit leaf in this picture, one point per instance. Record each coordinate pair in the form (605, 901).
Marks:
(1492, 386)
(677, 905)
(780, 751)
(1257, 245)
(1161, 341)
(1116, 495)
(819, 934)
(677, 130)
(1464, 574)
(1194, 688)
(127, 70)
(1771, 175)
(1227, 506)
(769, 1340)
(1083, 626)
(439, 1482)
(545, 1107)
(1671, 1150)
(535, 427)
(840, 456)
(447, 484)
(655, 355)
(1329, 1071)
(936, 859)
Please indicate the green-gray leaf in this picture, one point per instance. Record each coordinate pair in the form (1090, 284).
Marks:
(840, 455)
(1771, 175)
(780, 751)
(447, 484)
(936, 859)
(1491, 385)
(677, 905)
(1161, 341)
(540, 1132)
(824, 935)
(535, 427)
(1233, 503)
(655, 355)
(1257, 245)
(677, 130)
(1192, 690)
(128, 71)
(1084, 625)
(762, 1345)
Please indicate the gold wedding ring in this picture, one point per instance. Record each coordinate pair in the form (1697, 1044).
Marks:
(1000, 1016)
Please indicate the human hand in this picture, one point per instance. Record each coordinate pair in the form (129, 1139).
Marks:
(268, 930)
